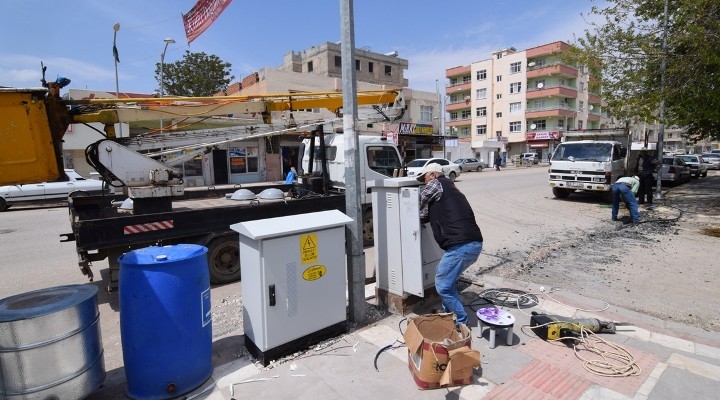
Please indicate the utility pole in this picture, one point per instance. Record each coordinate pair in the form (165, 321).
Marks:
(116, 28)
(661, 130)
(353, 208)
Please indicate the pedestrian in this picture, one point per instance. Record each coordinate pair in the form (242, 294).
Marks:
(454, 228)
(498, 162)
(645, 167)
(626, 188)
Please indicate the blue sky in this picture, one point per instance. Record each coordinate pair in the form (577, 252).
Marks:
(74, 38)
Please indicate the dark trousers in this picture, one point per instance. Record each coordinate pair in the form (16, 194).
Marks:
(645, 189)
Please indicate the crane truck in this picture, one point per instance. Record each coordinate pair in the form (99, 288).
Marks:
(163, 211)
(589, 160)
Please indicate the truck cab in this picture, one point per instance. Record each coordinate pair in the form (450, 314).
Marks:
(379, 158)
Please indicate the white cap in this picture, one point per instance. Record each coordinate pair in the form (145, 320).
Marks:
(432, 167)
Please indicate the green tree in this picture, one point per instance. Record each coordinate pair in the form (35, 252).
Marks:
(624, 46)
(196, 75)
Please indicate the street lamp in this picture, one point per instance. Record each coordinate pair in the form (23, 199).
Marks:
(162, 77)
(116, 28)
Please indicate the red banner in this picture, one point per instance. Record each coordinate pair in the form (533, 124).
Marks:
(201, 16)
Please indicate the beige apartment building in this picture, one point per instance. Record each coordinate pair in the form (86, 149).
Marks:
(519, 101)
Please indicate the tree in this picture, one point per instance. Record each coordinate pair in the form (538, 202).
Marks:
(624, 46)
(196, 75)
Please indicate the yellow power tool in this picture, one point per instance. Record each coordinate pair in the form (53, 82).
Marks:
(553, 327)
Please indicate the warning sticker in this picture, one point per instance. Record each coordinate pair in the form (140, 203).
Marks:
(308, 248)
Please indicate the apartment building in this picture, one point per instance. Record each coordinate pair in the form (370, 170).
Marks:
(519, 101)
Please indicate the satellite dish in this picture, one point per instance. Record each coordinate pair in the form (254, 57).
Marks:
(540, 85)
(533, 126)
(531, 64)
(590, 107)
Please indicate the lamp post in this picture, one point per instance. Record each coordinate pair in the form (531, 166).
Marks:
(116, 28)
(162, 76)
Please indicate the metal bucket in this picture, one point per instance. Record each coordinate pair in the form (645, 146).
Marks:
(50, 344)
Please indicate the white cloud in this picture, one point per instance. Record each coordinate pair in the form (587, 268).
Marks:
(20, 70)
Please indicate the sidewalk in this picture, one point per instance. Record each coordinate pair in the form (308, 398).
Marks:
(675, 361)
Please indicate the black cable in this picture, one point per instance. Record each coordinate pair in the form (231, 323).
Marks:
(388, 347)
(506, 297)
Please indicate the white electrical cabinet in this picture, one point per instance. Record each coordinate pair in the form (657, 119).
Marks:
(293, 281)
(406, 253)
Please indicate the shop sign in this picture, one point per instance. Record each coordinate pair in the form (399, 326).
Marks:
(415, 129)
(551, 135)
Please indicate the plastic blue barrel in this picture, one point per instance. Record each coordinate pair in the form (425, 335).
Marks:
(165, 320)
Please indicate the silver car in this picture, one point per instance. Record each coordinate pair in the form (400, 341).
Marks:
(697, 165)
(712, 160)
(674, 170)
(470, 164)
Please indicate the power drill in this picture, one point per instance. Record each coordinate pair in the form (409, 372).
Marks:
(553, 327)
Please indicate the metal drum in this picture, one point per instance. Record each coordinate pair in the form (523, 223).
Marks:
(50, 344)
(165, 320)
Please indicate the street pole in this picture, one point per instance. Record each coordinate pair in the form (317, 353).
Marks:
(162, 76)
(116, 28)
(661, 130)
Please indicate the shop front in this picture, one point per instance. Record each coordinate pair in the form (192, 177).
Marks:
(417, 140)
(543, 143)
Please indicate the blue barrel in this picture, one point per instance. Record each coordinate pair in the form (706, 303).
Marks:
(165, 320)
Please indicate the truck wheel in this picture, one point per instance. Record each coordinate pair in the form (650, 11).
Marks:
(452, 176)
(704, 174)
(560, 193)
(224, 259)
(3, 204)
(367, 225)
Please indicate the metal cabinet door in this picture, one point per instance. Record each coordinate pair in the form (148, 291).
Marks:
(411, 240)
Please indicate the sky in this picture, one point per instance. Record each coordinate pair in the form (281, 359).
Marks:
(74, 38)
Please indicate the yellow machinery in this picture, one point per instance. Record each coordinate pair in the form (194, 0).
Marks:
(33, 121)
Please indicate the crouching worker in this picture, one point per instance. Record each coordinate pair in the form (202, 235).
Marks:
(626, 188)
(454, 229)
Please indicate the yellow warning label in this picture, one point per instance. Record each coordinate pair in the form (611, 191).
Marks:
(308, 248)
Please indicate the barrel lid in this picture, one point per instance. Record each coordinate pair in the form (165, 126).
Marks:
(44, 301)
(162, 254)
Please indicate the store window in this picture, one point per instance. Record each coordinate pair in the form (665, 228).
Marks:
(243, 160)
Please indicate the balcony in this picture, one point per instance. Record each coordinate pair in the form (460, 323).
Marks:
(594, 99)
(457, 105)
(547, 49)
(550, 91)
(556, 109)
(555, 69)
(457, 71)
(459, 122)
(458, 87)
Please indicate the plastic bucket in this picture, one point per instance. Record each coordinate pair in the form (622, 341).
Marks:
(50, 344)
(165, 320)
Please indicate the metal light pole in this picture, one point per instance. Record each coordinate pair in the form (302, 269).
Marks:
(661, 130)
(162, 77)
(116, 28)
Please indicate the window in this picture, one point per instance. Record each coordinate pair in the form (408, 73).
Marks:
(498, 133)
(482, 75)
(540, 83)
(383, 159)
(498, 115)
(465, 114)
(357, 65)
(466, 79)
(498, 56)
(243, 160)
(498, 96)
(193, 167)
(309, 66)
(338, 61)
(498, 78)
(464, 131)
(371, 67)
(561, 123)
(453, 115)
(581, 86)
(481, 112)
(388, 70)
(580, 124)
(481, 129)
(515, 126)
(515, 108)
(481, 94)
(538, 125)
(515, 87)
(426, 113)
(581, 105)
(515, 67)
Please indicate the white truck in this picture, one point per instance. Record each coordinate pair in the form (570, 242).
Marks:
(379, 158)
(589, 160)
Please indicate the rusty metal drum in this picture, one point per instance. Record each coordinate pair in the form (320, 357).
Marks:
(50, 344)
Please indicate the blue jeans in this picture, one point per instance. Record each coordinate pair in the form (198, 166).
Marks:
(456, 259)
(621, 189)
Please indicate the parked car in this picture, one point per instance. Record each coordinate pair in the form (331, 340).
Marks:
(674, 170)
(716, 151)
(470, 164)
(712, 160)
(697, 165)
(530, 158)
(451, 170)
(76, 185)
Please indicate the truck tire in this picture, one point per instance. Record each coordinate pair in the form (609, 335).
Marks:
(560, 193)
(367, 225)
(452, 176)
(3, 205)
(224, 259)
